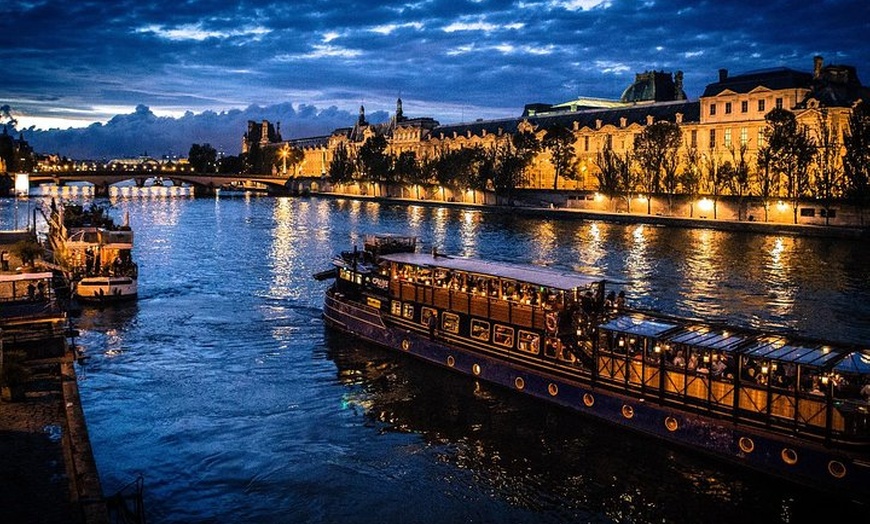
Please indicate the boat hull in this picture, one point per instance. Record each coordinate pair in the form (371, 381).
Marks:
(805, 463)
(106, 289)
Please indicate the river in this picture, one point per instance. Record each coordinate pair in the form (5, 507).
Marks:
(221, 386)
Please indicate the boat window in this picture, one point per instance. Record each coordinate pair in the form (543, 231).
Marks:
(479, 329)
(408, 311)
(503, 336)
(396, 308)
(426, 313)
(528, 342)
(450, 322)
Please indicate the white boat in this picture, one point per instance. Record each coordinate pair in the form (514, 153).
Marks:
(95, 252)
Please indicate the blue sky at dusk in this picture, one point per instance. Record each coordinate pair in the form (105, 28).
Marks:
(216, 63)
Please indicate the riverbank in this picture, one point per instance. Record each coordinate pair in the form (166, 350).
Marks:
(525, 209)
(47, 472)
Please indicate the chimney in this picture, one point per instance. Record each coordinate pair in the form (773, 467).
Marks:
(723, 75)
(818, 62)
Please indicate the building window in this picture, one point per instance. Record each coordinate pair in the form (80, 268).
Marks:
(779, 103)
(761, 137)
(712, 109)
(744, 136)
(727, 138)
(408, 312)
(396, 308)
(727, 108)
(694, 140)
(608, 142)
(808, 212)
(761, 106)
(712, 138)
(744, 106)
(586, 143)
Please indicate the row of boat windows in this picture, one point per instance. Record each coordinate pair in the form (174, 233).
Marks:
(479, 285)
(723, 366)
(479, 329)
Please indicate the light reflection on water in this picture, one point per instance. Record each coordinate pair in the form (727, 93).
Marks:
(222, 387)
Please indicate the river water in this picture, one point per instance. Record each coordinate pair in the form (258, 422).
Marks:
(222, 387)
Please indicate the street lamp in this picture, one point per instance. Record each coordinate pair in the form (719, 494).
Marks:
(284, 152)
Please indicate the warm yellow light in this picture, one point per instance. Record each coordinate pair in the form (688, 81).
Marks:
(705, 204)
(781, 205)
(599, 197)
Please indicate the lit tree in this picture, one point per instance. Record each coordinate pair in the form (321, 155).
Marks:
(790, 152)
(373, 163)
(657, 151)
(856, 161)
(341, 167)
(716, 176)
(828, 164)
(559, 141)
(739, 177)
(690, 178)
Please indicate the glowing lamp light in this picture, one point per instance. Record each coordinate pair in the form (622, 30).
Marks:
(657, 348)
(599, 197)
(22, 184)
(705, 204)
(781, 205)
(764, 370)
(825, 380)
(621, 343)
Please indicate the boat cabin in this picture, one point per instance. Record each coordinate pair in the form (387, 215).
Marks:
(794, 385)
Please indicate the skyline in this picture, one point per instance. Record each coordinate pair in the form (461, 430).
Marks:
(76, 64)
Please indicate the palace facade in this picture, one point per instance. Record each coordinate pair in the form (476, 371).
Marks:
(729, 114)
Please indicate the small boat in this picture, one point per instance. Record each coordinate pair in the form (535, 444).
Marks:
(94, 252)
(791, 407)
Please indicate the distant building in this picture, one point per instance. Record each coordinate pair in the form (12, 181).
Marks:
(729, 114)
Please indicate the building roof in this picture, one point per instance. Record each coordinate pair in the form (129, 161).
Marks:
(774, 79)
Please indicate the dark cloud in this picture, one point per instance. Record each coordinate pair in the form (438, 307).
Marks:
(454, 59)
(142, 131)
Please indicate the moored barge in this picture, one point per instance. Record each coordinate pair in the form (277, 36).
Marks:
(94, 251)
(791, 407)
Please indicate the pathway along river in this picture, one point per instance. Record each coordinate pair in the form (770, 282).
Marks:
(222, 387)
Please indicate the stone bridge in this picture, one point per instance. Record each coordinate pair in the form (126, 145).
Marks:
(204, 183)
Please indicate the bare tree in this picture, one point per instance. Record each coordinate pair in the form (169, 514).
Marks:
(657, 152)
(739, 181)
(690, 178)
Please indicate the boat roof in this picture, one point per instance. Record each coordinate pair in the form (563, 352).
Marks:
(777, 348)
(540, 276)
(710, 338)
(19, 277)
(855, 362)
(635, 325)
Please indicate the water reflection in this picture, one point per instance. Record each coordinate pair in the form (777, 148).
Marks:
(468, 227)
(546, 464)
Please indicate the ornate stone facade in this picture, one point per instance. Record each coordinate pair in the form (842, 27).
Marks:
(730, 113)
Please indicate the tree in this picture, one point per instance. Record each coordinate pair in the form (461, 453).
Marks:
(559, 141)
(739, 177)
(509, 162)
(716, 175)
(607, 161)
(233, 164)
(290, 157)
(856, 161)
(405, 168)
(690, 178)
(341, 167)
(656, 150)
(789, 151)
(372, 161)
(203, 158)
(829, 165)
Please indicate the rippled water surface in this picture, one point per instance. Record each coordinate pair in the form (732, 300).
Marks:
(222, 387)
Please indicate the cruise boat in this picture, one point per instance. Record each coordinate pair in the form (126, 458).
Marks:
(794, 408)
(95, 253)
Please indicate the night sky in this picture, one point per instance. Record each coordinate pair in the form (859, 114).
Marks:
(72, 63)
